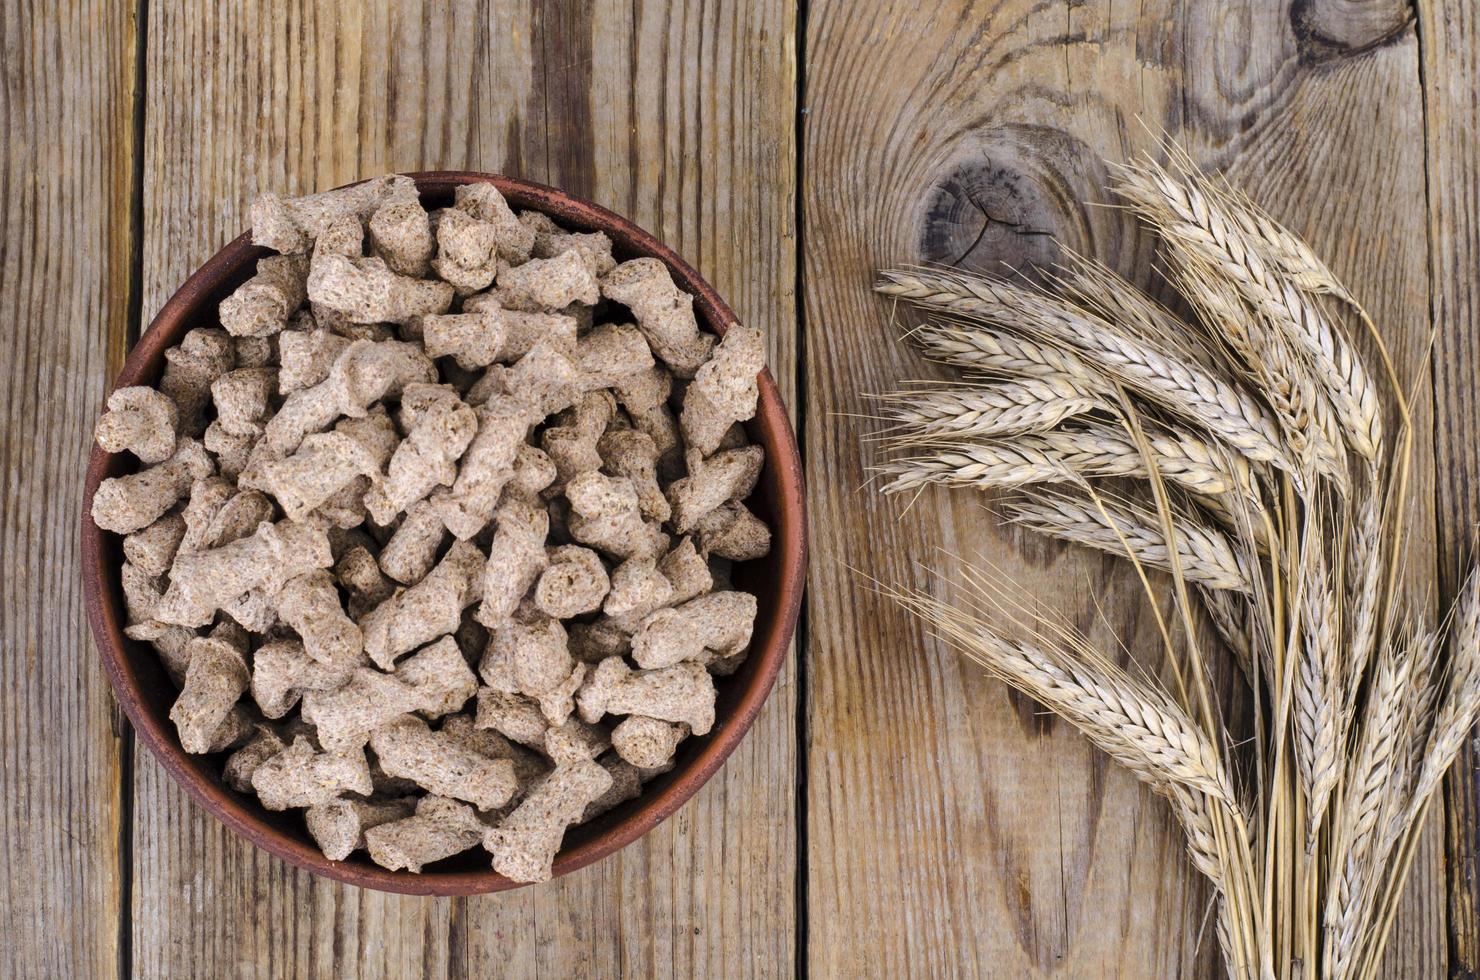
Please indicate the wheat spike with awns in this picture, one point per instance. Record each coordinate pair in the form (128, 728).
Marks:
(1250, 454)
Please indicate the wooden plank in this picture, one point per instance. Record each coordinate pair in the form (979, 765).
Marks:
(65, 238)
(241, 99)
(1450, 35)
(952, 829)
(678, 115)
(1353, 130)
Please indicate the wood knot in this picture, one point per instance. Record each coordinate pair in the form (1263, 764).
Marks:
(1009, 199)
(1334, 28)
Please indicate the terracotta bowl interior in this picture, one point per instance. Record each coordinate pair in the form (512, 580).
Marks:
(777, 580)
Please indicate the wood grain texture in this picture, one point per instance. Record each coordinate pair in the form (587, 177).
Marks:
(66, 162)
(678, 115)
(1450, 36)
(952, 828)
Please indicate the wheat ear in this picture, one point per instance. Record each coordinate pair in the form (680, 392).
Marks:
(1143, 730)
(1137, 725)
(1184, 388)
(1090, 450)
(1366, 796)
(1455, 717)
(988, 351)
(1111, 297)
(1309, 427)
(1457, 711)
(983, 466)
(1192, 219)
(1365, 564)
(1282, 247)
(1028, 405)
(1205, 555)
(1317, 686)
(1180, 456)
(1227, 614)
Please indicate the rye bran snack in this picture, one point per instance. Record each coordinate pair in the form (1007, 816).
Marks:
(406, 526)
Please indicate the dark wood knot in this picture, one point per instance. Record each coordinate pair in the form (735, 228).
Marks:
(1327, 29)
(1010, 198)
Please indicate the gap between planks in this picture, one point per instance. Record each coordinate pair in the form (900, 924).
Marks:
(135, 327)
(801, 642)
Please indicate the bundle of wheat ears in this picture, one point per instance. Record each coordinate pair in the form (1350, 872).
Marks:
(1250, 455)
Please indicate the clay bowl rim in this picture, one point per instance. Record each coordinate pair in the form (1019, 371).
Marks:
(243, 816)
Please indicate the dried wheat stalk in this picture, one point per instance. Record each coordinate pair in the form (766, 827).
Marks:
(1086, 449)
(1192, 222)
(1029, 405)
(1250, 461)
(1177, 386)
(1205, 555)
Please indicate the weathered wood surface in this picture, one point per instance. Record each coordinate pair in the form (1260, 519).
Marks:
(950, 827)
(680, 116)
(1451, 48)
(65, 164)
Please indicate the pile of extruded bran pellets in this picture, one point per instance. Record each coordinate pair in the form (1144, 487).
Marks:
(434, 532)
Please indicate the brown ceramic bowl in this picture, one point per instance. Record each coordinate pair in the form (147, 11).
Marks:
(146, 693)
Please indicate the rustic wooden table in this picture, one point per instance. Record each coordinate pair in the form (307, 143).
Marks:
(892, 813)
